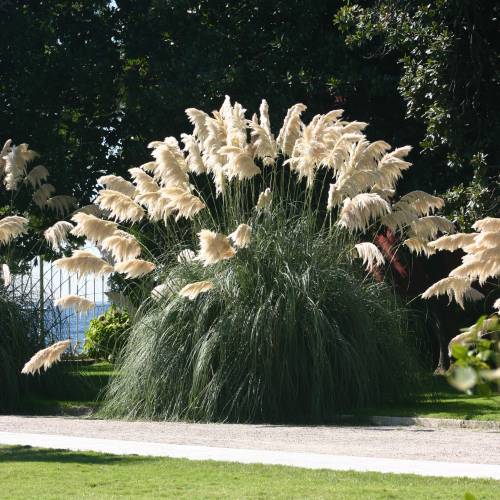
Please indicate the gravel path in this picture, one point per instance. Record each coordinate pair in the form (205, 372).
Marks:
(404, 443)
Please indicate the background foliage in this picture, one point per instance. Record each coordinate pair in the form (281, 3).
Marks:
(90, 82)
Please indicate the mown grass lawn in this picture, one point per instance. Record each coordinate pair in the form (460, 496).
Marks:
(38, 473)
(79, 394)
(442, 401)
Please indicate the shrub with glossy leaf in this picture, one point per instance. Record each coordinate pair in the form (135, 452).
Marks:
(292, 331)
(107, 334)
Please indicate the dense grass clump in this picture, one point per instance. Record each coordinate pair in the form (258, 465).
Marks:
(18, 341)
(292, 331)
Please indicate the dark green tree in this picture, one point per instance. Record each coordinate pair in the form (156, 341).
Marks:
(449, 54)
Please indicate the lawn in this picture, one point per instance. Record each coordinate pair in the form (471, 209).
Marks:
(78, 388)
(35, 473)
(442, 401)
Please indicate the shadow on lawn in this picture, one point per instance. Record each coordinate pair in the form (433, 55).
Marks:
(29, 454)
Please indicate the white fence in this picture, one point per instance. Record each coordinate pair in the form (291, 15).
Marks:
(44, 284)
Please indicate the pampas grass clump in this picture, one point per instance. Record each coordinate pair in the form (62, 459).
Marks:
(258, 309)
(296, 335)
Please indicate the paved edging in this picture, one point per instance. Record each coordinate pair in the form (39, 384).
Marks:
(430, 422)
(252, 456)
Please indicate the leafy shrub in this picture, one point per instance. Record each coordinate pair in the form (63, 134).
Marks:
(107, 334)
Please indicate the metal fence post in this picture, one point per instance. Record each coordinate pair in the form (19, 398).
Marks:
(42, 302)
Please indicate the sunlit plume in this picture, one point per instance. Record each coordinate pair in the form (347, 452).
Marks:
(455, 288)
(6, 275)
(93, 228)
(122, 246)
(183, 202)
(242, 236)
(144, 182)
(120, 206)
(265, 200)
(84, 262)
(11, 227)
(57, 234)
(358, 212)
(134, 268)
(214, 247)
(192, 290)
(78, 304)
(371, 255)
(117, 183)
(46, 357)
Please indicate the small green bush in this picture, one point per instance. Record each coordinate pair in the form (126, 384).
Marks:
(107, 334)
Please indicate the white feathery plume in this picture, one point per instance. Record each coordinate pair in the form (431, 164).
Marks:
(185, 256)
(371, 255)
(235, 123)
(57, 234)
(391, 166)
(455, 288)
(134, 268)
(11, 227)
(46, 358)
(84, 262)
(240, 163)
(308, 152)
(171, 167)
(263, 142)
(79, 304)
(242, 236)
(485, 240)
(118, 183)
(6, 275)
(6, 148)
(418, 246)
(15, 165)
(122, 245)
(61, 204)
(357, 212)
(157, 205)
(220, 181)
(214, 247)
(193, 159)
(198, 120)
(496, 305)
(149, 166)
(180, 200)
(480, 266)
(291, 129)
(163, 291)
(488, 224)
(37, 175)
(93, 228)
(353, 127)
(43, 193)
(265, 200)
(452, 242)
(426, 228)
(192, 290)
(424, 203)
(120, 206)
(144, 182)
